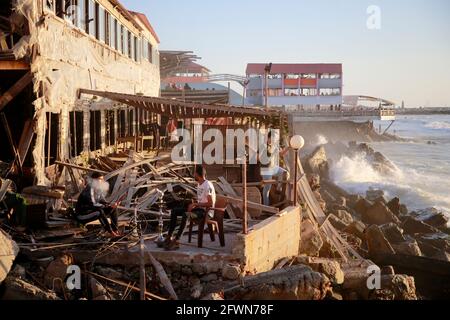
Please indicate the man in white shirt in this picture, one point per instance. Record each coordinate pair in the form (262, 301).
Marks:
(206, 199)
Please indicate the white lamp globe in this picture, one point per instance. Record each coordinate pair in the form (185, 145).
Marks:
(297, 142)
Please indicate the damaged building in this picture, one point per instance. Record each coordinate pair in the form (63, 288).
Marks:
(49, 50)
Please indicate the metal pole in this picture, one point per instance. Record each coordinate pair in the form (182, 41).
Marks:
(142, 281)
(266, 89)
(244, 194)
(295, 178)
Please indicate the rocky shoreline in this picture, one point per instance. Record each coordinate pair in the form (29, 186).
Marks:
(374, 225)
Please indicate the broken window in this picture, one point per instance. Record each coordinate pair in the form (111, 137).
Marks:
(95, 131)
(130, 122)
(122, 123)
(76, 133)
(52, 139)
(50, 5)
(109, 122)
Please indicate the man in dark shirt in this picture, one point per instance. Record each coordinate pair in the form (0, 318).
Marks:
(92, 206)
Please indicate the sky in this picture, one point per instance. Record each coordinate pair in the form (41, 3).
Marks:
(406, 59)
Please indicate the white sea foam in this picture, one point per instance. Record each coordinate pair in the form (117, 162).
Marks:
(414, 188)
(320, 140)
(438, 125)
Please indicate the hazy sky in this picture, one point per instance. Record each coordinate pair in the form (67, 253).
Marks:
(407, 59)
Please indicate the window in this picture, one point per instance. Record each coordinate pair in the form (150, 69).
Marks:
(150, 52)
(144, 49)
(330, 92)
(125, 41)
(130, 45)
(335, 76)
(309, 76)
(119, 38)
(50, 5)
(292, 76)
(100, 19)
(291, 92)
(136, 49)
(275, 92)
(90, 18)
(275, 76)
(59, 5)
(325, 76)
(306, 92)
(113, 32)
(254, 93)
(254, 76)
(107, 28)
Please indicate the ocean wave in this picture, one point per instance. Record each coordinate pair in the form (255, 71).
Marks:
(438, 125)
(414, 188)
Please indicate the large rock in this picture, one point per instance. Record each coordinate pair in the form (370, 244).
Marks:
(409, 247)
(56, 273)
(394, 206)
(231, 271)
(413, 226)
(330, 268)
(336, 222)
(433, 217)
(396, 287)
(344, 216)
(311, 241)
(373, 194)
(98, 291)
(377, 242)
(362, 205)
(393, 233)
(379, 214)
(318, 162)
(18, 289)
(297, 282)
(8, 253)
(357, 229)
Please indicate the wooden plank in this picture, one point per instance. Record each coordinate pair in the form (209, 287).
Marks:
(17, 159)
(17, 88)
(25, 139)
(79, 167)
(251, 204)
(14, 65)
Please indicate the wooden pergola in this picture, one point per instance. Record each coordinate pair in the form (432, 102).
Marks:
(176, 109)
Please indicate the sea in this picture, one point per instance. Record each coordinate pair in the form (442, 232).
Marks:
(422, 176)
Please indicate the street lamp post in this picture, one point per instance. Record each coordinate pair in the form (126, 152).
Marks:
(267, 70)
(297, 142)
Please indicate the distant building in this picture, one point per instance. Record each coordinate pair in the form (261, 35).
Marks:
(295, 85)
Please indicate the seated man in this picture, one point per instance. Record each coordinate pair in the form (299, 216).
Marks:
(206, 199)
(91, 205)
(14, 201)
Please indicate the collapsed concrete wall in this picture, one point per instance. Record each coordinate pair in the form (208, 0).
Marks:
(270, 241)
(64, 59)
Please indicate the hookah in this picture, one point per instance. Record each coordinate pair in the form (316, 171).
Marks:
(160, 219)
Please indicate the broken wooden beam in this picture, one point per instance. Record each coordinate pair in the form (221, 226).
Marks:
(17, 88)
(251, 205)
